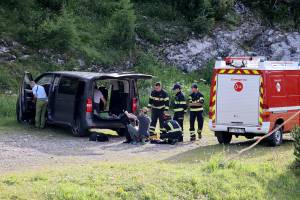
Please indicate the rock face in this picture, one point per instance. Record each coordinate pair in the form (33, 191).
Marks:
(249, 38)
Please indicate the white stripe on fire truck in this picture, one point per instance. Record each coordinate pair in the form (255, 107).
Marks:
(283, 109)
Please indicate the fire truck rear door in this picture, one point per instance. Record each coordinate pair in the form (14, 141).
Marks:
(238, 99)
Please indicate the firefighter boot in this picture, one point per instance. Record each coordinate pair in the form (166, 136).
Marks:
(192, 136)
(199, 134)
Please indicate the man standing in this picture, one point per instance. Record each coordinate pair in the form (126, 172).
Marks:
(179, 105)
(41, 101)
(159, 104)
(196, 101)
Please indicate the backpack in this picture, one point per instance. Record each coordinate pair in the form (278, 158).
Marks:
(99, 137)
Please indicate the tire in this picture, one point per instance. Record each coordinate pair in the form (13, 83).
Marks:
(223, 137)
(276, 138)
(121, 132)
(249, 136)
(78, 130)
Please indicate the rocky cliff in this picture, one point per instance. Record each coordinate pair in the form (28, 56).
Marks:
(249, 38)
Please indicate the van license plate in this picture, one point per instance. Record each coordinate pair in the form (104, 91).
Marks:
(236, 130)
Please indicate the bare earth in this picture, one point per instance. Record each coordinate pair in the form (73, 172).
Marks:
(25, 148)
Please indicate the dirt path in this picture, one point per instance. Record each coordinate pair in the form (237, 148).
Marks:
(25, 148)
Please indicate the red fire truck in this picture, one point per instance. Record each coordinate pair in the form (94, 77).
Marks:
(251, 96)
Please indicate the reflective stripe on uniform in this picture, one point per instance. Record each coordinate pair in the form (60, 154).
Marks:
(196, 109)
(180, 102)
(175, 130)
(178, 109)
(158, 107)
(167, 107)
(172, 128)
(159, 99)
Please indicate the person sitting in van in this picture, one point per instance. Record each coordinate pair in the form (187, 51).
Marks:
(98, 97)
(141, 132)
(41, 101)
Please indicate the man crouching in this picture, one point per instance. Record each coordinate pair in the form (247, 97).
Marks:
(138, 133)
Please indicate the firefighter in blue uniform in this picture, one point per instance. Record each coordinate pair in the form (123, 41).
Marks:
(159, 104)
(179, 105)
(196, 101)
(173, 132)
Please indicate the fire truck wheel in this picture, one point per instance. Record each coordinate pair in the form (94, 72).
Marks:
(223, 137)
(276, 138)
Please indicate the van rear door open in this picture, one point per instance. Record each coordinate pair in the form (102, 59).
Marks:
(238, 99)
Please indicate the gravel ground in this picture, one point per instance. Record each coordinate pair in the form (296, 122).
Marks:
(27, 148)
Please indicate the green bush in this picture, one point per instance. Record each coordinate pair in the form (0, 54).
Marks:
(147, 33)
(120, 30)
(203, 25)
(277, 11)
(296, 136)
(59, 33)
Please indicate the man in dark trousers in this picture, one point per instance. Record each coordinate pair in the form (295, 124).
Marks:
(179, 105)
(159, 104)
(196, 101)
(173, 132)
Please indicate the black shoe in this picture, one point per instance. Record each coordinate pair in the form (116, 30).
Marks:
(126, 142)
(193, 138)
(173, 142)
(199, 136)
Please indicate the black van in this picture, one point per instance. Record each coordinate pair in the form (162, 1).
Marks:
(71, 99)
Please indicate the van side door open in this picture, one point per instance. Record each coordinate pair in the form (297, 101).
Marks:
(25, 107)
(65, 99)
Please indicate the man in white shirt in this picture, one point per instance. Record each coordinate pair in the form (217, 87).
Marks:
(98, 96)
(41, 100)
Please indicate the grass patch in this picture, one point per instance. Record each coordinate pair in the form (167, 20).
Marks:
(155, 181)
(7, 106)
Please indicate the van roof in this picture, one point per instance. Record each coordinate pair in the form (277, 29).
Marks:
(95, 75)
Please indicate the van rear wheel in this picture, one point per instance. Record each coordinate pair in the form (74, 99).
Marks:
(223, 137)
(78, 130)
(122, 131)
(276, 138)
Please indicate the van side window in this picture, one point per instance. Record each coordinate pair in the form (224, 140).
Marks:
(45, 80)
(68, 85)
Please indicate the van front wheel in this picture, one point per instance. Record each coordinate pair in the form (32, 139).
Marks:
(223, 137)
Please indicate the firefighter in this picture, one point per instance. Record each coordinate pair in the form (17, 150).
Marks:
(159, 104)
(196, 101)
(173, 132)
(179, 105)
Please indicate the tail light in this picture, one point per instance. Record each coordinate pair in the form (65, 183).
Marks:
(134, 105)
(266, 116)
(89, 105)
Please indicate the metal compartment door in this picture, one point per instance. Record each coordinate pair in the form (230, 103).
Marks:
(238, 99)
